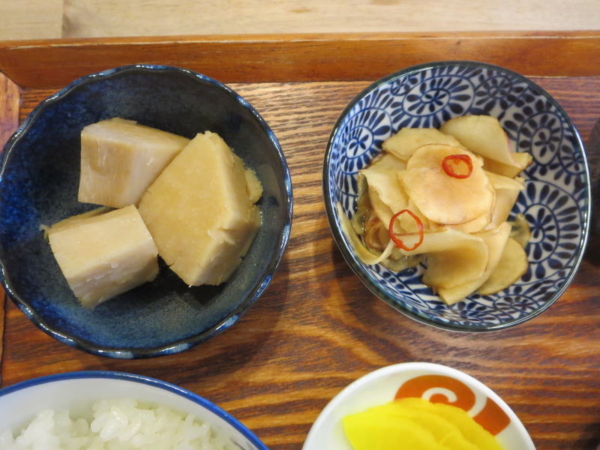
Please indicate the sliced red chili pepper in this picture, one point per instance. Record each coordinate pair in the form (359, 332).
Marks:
(453, 162)
(394, 236)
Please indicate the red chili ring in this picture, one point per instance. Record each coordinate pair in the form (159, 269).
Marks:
(450, 161)
(394, 236)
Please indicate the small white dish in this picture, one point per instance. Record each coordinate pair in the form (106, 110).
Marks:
(433, 382)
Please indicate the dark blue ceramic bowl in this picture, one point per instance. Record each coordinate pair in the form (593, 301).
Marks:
(38, 185)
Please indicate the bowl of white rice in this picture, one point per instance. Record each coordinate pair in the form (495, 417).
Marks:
(101, 410)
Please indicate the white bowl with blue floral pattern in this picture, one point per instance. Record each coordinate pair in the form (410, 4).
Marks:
(556, 200)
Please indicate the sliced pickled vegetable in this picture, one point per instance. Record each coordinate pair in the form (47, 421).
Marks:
(404, 143)
(482, 135)
(522, 161)
(475, 225)
(376, 235)
(442, 199)
(495, 240)
(363, 253)
(465, 423)
(511, 267)
(507, 192)
(385, 193)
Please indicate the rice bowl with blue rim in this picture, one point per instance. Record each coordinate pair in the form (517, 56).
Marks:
(76, 392)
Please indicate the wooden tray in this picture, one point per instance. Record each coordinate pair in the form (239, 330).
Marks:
(317, 328)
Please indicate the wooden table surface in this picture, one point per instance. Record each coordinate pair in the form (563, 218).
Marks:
(51, 19)
(317, 328)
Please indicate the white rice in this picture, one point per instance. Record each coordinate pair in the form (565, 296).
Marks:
(117, 424)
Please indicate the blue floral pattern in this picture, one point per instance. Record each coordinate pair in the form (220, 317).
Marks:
(555, 202)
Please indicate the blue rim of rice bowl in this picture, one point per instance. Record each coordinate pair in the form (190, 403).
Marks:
(104, 374)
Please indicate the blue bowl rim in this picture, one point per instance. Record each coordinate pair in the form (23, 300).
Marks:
(223, 324)
(112, 375)
(374, 287)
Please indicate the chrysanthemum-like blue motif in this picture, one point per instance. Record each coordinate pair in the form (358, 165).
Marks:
(554, 219)
(555, 200)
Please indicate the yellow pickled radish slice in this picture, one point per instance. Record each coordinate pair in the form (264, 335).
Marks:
(414, 424)
(370, 432)
(470, 429)
(442, 429)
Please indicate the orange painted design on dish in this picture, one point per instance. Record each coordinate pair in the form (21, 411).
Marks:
(465, 397)
(491, 417)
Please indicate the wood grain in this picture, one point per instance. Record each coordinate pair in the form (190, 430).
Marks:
(10, 96)
(93, 18)
(42, 19)
(31, 19)
(286, 58)
(317, 328)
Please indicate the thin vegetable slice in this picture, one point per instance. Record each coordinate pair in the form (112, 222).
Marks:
(442, 199)
(507, 192)
(404, 143)
(522, 161)
(513, 264)
(482, 135)
(495, 240)
(385, 192)
(363, 253)
(467, 426)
